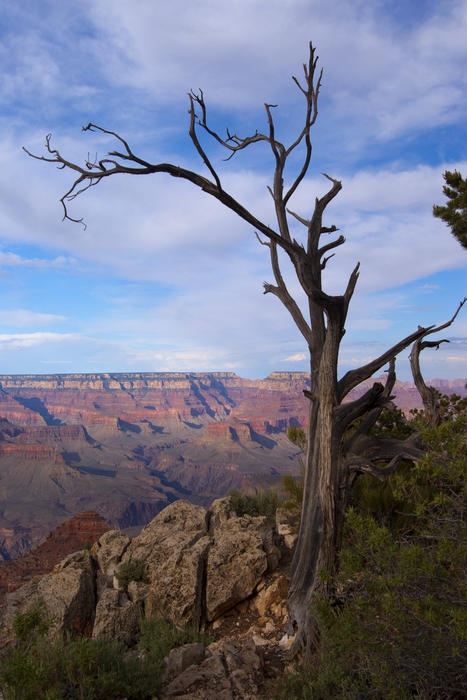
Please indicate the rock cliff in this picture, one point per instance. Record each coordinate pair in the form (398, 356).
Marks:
(127, 445)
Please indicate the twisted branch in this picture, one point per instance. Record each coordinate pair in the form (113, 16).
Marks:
(428, 394)
(283, 294)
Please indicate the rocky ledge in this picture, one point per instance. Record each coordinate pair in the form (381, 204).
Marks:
(210, 569)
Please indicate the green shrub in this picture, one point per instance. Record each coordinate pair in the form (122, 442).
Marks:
(262, 503)
(397, 629)
(297, 436)
(31, 623)
(131, 570)
(294, 488)
(392, 423)
(73, 669)
(159, 636)
(379, 499)
(78, 668)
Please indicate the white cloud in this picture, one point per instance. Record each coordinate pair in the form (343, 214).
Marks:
(55, 362)
(370, 324)
(156, 228)
(23, 317)
(196, 359)
(297, 357)
(387, 77)
(385, 80)
(214, 267)
(9, 341)
(14, 260)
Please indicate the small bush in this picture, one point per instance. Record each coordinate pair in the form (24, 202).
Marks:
(31, 623)
(132, 570)
(294, 487)
(159, 636)
(297, 436)
(74, 668)
(262, 503)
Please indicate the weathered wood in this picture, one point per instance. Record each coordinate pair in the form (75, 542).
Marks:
(428, 394)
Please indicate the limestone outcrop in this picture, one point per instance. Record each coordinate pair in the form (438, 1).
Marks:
(188, 565)
(236, 561)
(116, 617)
(174, 547)
(108, 551)
(66, 597)
(223, 671)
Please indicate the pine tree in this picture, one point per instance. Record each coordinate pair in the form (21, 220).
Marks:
(455, 212)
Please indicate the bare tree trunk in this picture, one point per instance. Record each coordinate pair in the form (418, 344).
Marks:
(314, 563)
(315, 558)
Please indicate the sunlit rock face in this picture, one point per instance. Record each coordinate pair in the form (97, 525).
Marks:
(197, 565)
(127, 445)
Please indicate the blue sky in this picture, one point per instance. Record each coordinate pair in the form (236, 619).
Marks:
(163, 279)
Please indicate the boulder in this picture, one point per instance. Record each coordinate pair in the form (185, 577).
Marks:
(220, 511)
(108, 551)
(230, 670)
(197, 566)
(271, 596)
(181, 658)
(174, 546)
(117, 617)
(287, 524)
(138, 591)
(237, 560)
(66, 597)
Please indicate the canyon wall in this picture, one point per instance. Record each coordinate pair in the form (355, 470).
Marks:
(127, 445)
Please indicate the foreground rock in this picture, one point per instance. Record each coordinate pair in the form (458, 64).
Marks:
(224, 671)
(65, 596)
(236, 562)
(192, 567)
(174, 547)
(117, 617)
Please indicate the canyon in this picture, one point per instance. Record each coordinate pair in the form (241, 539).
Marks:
(127, 445)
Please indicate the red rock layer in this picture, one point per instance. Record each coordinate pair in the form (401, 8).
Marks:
(53, 433)
(16, 413)
(70, 536)
(28, 452)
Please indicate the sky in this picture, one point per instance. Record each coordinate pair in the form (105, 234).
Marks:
(164, 279)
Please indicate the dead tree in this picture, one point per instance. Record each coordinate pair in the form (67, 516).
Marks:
(430, 396)
(333, 459)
